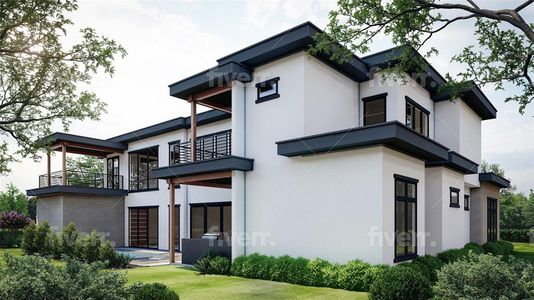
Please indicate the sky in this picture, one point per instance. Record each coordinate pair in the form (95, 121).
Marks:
(170, 40)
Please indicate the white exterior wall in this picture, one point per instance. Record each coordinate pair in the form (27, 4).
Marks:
(470, 133)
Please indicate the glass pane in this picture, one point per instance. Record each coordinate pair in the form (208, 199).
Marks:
(417, 120)
(197, 222)
(409, 115)
(227, 222)
(214, 219)
(152, 164)
(374, 112)
(400, 188)
(153, 227)
(411, 227)
(454, 198)
(399, 227)
(267, 90)
(425, 124)
(143, 172)
(411, 191)
(133, 171)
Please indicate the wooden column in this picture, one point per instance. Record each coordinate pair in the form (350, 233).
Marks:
(48, 167)
(172, 219)
(193, 128)
(64, 168)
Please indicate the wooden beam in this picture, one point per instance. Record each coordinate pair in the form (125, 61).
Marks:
(64, 167)
(215, 105)
(87, 147)
(48, 168)
(211, 92)
(203, 177)
(193, 129)
(211, 184)
(172, 217)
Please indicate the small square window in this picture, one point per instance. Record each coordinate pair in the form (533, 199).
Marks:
(268, 90)
(466, 202)
(374, 109)
(455, 197)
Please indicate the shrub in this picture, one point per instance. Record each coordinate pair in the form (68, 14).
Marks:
(517, 235)
(69, 236)
(33, 277)
(87, 247)
(152, 291)
(507, 246)
(485, 277)
(12, 220)
(36, 239)
(288, 269)
(352, 276)
(111, 258)
(213, 264)
(28, 235)
(452, 255)
(432, 265)
(474, 247)
(400, 282)
(254, 265)
(10, 238)
(498, 248)
(316, 273)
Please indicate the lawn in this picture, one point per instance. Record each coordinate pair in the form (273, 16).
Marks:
(189, 285)
(524, 251)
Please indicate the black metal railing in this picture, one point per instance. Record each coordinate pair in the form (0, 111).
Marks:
(207, 147)
(83, 179)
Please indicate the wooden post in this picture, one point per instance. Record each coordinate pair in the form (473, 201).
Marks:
(64, 154)
(48, 167)
(193, 129)
(172, 219)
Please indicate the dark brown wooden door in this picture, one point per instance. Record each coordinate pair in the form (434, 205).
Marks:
(143, 231)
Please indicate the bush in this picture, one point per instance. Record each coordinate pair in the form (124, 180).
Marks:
(28, 235)
(474, 247)
(10, 238)
(12, 220)
(36, 240)
(255, 266)
(152, 291)
(111, 258)
(87, 247)
(69, 237)
(33, 277)
(352, 276)
(452, 255)
(212, 263)
(400, 282)
(316, 274)
(288, 269)
(517, 235)
(498, 248)
(486, 277)
(431, 265)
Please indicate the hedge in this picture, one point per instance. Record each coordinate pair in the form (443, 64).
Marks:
(10, 238)
(498, 248)
(517, 235)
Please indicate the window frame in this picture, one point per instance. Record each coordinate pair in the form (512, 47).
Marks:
(493, 222)
(259, 85)
(457, 192)
(145, 152)
(205, 215)
(467, 204)
(365, 100)
(423, 111)
(171, 153)
(114, 184)
(405, 200)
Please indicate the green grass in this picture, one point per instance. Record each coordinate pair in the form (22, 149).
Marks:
(524, 251)
(189, 285)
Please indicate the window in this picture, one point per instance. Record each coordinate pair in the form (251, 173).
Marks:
(174, 158)
(405, 218)
(455, 197)
(143, 227)
(466, 202)
(113, 177)
(142, 162)
(417, 117)
(374, 109)
(267, 90)
(211, 218)
(492, 219)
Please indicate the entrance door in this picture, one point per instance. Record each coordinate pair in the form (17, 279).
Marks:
(143, 228)
(492, 219)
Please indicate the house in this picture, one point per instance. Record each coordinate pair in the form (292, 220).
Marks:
(301, 155)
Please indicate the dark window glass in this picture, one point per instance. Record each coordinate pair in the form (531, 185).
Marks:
(416, 117)
(466, 202)
(492, 219)
(142, 162)
(455, 197)
(374, 111)
(143, 229)
(267, 90)
(113, 177)
(405, 218)
(173, 153)
(177, 227)
(197, 222)
(211, 218)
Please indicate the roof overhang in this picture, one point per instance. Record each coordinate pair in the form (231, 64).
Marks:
(83, 145)
(456, 162)
(61, 189)
(391, 134)
(475, 99)
(215, 77)
(228, 163)
(494, 179)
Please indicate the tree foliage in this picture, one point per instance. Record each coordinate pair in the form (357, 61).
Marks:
(486, 167)
(501, 52)
(12, 199)
(41, 78)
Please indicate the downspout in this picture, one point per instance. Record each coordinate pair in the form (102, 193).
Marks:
(358, 106)
(245, 173)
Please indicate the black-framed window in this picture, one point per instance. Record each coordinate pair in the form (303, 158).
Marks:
(113, 176)
(268, 90)
(466, 202)
(492, 219)
(177, 234)
(417, 117)
(374, 109)
(454, 197)
(141, 163)
(172, 153)
(405, 218)
(211, 218)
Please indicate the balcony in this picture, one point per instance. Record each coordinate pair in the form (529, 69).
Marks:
(212, 146)
(82, 179)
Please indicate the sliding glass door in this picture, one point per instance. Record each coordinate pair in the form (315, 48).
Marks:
(211, 218)
(143, 227)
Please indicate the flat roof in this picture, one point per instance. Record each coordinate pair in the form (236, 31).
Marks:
(494, 179)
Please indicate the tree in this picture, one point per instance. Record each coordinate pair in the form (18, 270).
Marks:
(13, 200)
(486, 167)
(40, 78)
(501, 52)
(512, 209)
(529, 210)
(85, 170)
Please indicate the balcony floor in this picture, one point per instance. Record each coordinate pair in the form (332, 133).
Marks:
(80, 190)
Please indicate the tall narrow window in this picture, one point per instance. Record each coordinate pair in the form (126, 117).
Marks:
(454, 197)
(174, 153)
(405, 218)
(492, 219)
(374, 109)
(466, 202)
(142, 162)
(417, 117)
(113, 177)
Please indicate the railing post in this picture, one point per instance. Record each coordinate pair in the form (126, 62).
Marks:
(64, 155)
(193, 128)
(48, 167)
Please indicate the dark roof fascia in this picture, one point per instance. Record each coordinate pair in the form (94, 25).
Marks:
(213, 77)
(494, 179)
(60, 189)
(228, 163)
(170, 125)
(475, 99)
(67, 137)
(295, 39)
(456, 162)
(392, 134)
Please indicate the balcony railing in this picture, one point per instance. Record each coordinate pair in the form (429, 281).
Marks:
(83, 179)
(207, 147)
